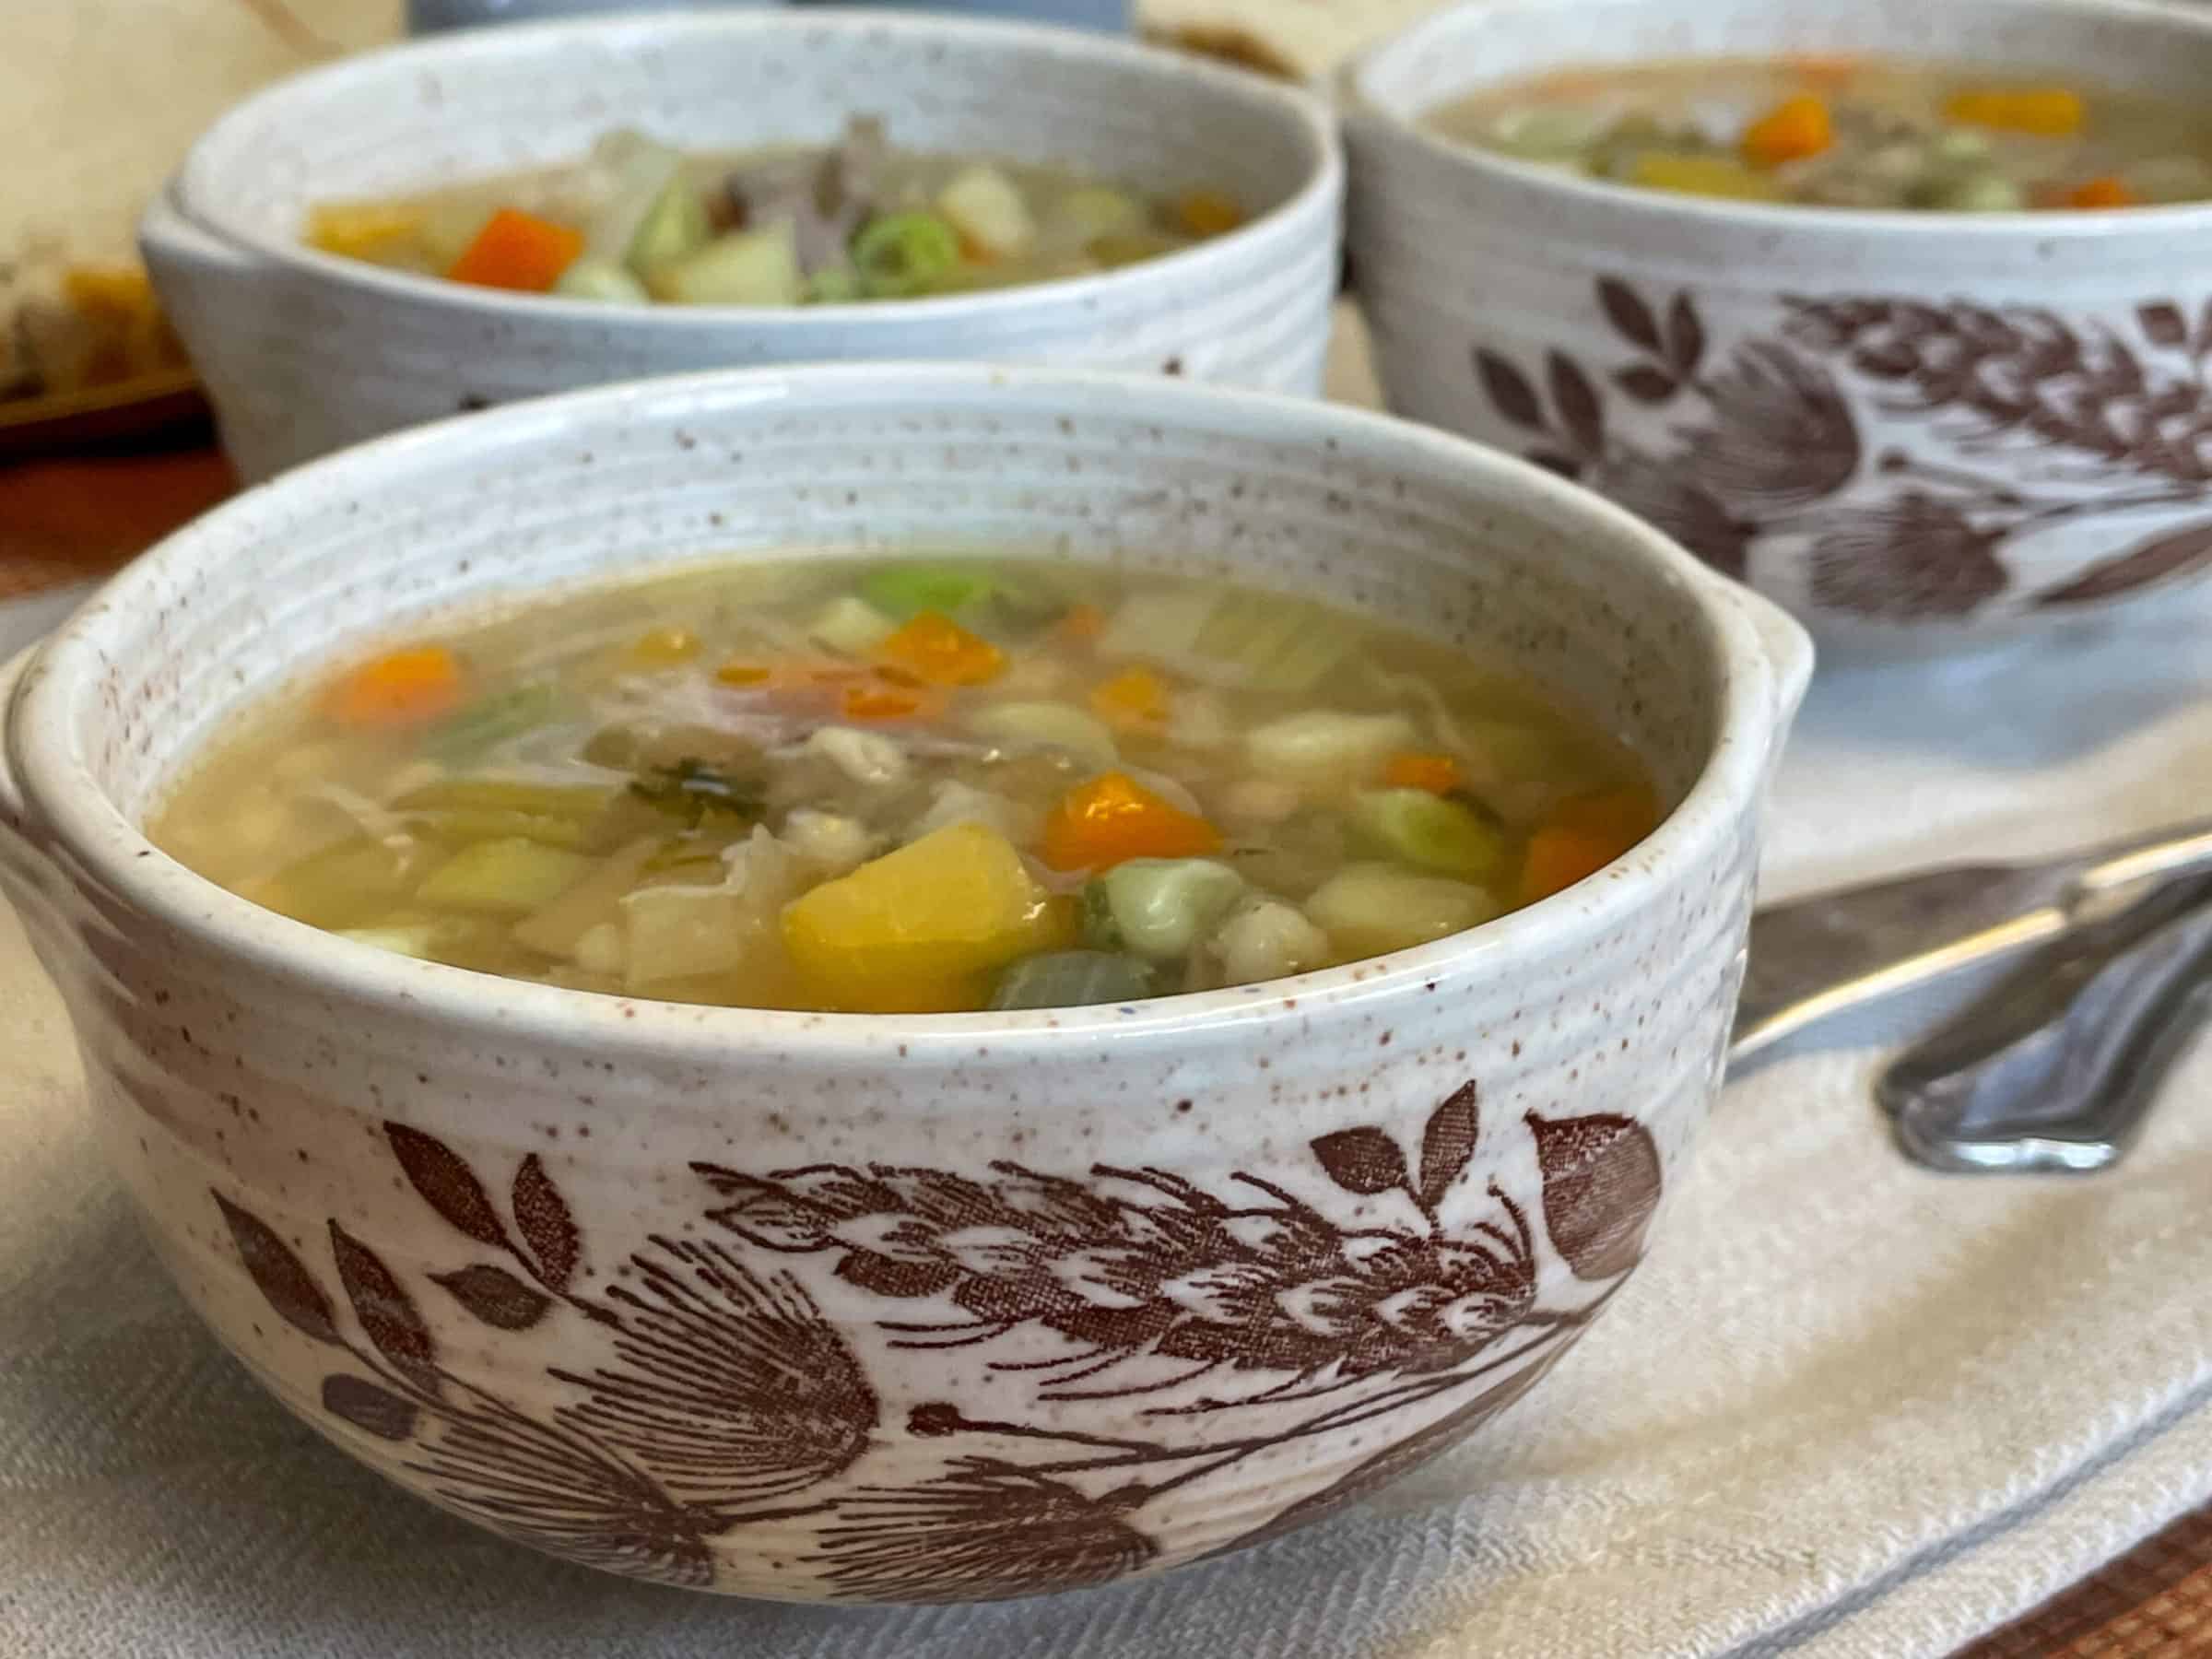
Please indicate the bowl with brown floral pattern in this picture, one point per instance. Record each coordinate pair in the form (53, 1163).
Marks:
(858, 1306)
(1920, 431)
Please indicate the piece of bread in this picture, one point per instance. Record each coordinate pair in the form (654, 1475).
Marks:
(1302, 39)
(102, 98)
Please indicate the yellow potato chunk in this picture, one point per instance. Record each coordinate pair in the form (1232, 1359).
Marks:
(924, 927)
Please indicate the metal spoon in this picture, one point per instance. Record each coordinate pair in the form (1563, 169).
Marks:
(2055, 1067)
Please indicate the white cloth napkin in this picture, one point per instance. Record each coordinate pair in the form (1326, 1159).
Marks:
(1846, 1408)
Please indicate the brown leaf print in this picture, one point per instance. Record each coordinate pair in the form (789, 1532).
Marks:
(730, 1386)
(542, 1216)
(1601, 1186)
(984, 1531)
(1660, 491)
(1509, 390)
(1684, 337)
(388, 1315)
(1780, 435)
(1576, 400)
(281, 1278)
(2162, 324)
(1365, 1161)
(1645, 383)
(1364, 1479)
(1631, 317)
(1448, 1143)
(1139, 1264)
(555, 1491)
(447, 1185)
(495, 1296)
(366, 1405)
(2162, 558)
(1907, 559)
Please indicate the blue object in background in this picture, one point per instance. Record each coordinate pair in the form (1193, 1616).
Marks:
(432, 16)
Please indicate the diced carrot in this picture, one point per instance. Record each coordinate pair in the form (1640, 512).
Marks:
(1082, 622)
(887, 701)
(1134, 700)
(520, 250)
(406, 687)
(1113, 817)
(939, 651)
(2106, 192)
(1584, 835)
(1439, 774)
(1791, 130)
(118, 296)
(1208, 212)
(2043, 112)
(738, 673)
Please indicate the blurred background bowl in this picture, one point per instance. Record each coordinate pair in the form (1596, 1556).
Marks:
(304, 352)
(1921, 432)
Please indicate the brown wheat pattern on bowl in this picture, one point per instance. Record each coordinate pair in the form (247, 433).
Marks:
(1773, 435)
(726, 1397)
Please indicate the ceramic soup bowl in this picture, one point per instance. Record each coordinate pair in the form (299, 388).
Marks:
(1919, 432)
(898, 1308)
(304, 352)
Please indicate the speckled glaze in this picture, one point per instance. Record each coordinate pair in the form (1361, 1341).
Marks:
(1922, 433)
(304, 352)
(891, 1308)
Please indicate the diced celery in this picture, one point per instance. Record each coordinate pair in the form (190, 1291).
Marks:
(601, 279)
(641, 172)
(580, 802)
(512, 877)
(1072, 978)
(1430, 832)
(1369, 909)
(674, 227)
(746, 267)
(462, 738)
(832, 285)
(1322, 749)
(851, 625)
(346, 885)
(903, 591)
(1159, 906)
(986, 207)
(1058, 725)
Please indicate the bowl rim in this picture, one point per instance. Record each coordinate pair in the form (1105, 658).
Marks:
(66, 809)
(1801, 223)
(1298, 109)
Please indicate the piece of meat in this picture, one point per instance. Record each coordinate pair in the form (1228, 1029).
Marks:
(825, 196)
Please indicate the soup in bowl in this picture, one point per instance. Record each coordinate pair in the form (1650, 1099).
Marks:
(477, 217)
(1895, 313)
(938, 1302)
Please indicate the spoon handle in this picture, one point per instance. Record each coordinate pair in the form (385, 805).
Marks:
(1820, 956)
(2054, 1068)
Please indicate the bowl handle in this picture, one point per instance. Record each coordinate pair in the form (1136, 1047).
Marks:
(1788, 652)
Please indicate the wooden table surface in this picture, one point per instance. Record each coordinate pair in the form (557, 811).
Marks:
(70, 517)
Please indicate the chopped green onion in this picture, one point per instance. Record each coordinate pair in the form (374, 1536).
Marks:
(901, 254)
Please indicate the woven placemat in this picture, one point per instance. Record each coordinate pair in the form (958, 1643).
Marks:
(2155, 1602)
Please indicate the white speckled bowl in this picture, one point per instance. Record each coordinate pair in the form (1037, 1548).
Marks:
(1922, 433)
(891, 1308)
(304, 352)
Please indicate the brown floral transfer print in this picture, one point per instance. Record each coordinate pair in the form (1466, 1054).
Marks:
(726, 1397)
(1768, 439)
